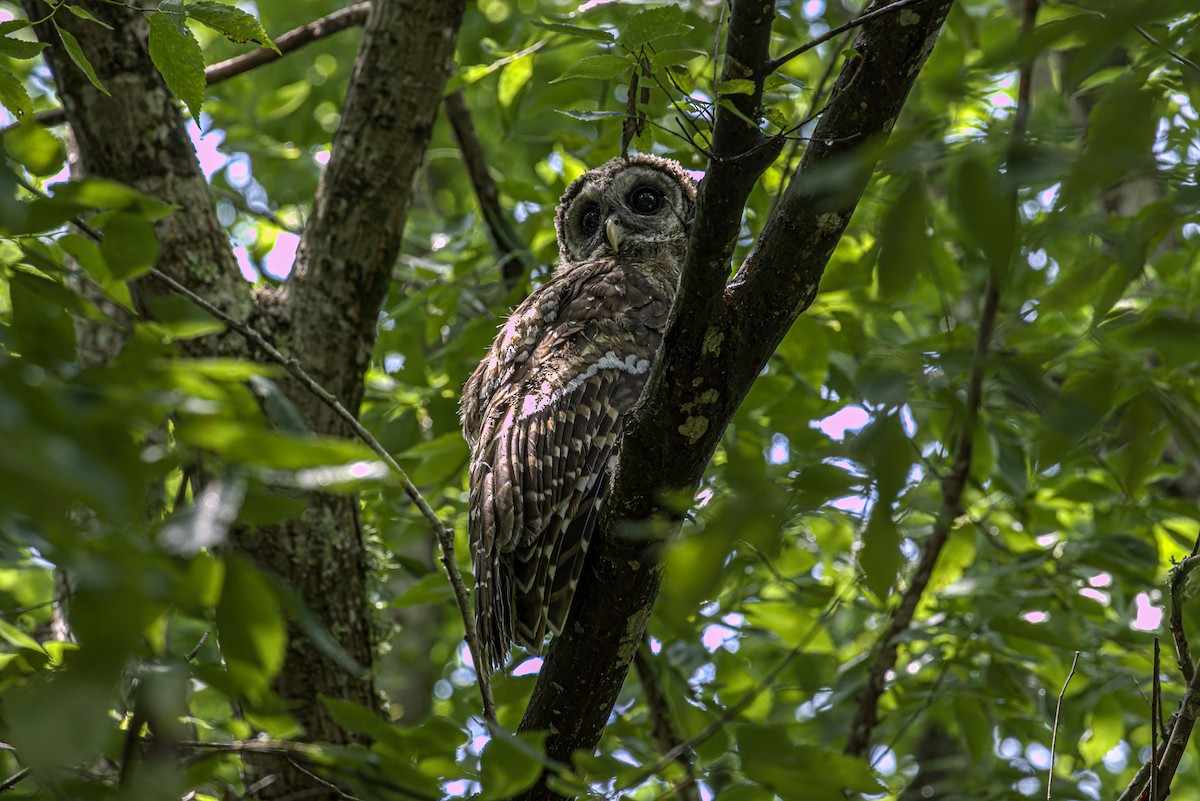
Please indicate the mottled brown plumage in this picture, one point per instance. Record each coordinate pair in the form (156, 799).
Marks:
(543, 411)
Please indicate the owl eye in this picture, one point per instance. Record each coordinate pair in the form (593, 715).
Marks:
(645, 200)
(589, 221)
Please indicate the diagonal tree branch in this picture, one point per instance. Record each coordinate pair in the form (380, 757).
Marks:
(955, 482)
(718, 340)
(515, 258)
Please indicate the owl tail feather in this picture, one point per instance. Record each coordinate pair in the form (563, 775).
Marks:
(493, 617)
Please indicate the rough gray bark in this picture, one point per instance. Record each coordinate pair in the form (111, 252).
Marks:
(718, 341)
(327, 317)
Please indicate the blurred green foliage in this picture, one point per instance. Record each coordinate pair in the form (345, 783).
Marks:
(1083, 484)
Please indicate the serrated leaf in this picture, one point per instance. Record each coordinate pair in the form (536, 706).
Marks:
(20, 48)
(230, 21)
(513, 78)
(177, 55)
(38, 150)
(13, 96)
(13, 25)
(582, 32)
(83, 13)
(130, 246)
(75, 52)
(598, 67)
(653, 24)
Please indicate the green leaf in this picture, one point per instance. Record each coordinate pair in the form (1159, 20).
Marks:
(880, 555)
(904, 245)
(251, 625)
(653, 24)
(89, 256)
(1107, 725)
(511, 763)
(83, 13)
(19, 48)
(987, 214)
(177, 55)
(246, 443)
(598, 67)
(75, 52)
(800, 771)
(38, 150)
(235, 24)
(736, 86)
(14, 636)
(130, 246)
(513, 78)
(580, 31)
(13, 96)
(433, 587)
(182, 318)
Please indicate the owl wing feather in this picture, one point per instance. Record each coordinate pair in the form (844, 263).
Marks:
(543, 414)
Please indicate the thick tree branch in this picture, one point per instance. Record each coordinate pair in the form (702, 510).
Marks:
(716, 343)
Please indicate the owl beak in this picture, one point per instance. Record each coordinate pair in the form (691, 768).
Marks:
(613, 230)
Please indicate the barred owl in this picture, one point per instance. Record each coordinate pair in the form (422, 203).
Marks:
(544, 410)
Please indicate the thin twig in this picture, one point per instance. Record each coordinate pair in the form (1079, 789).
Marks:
(1179, 574)
(1155, 716)
(12, 780)
(1054, 731)
(294, 39)
(445, 535)
(858, 21)
(1182, 59)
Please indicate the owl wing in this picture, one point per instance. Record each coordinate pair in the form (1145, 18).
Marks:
(544, 450)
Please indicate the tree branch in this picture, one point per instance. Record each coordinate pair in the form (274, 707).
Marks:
(293, 40)
(338, 21)
(857, 22)
(955, 482)
(1179, 575)
(515, 258)
(717, 342)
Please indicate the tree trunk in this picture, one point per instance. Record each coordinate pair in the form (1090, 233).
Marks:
(327, 314)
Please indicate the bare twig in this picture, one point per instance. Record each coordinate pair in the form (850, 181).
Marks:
(445, 535)
(294, 39)
(338, 21)
(1155, 715)
(1179, 574)
(515, 258)
(862, 19)
(12, 780)
(1182, 59)
(1054, 731)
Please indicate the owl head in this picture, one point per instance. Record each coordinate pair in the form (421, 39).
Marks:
(636, 207)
